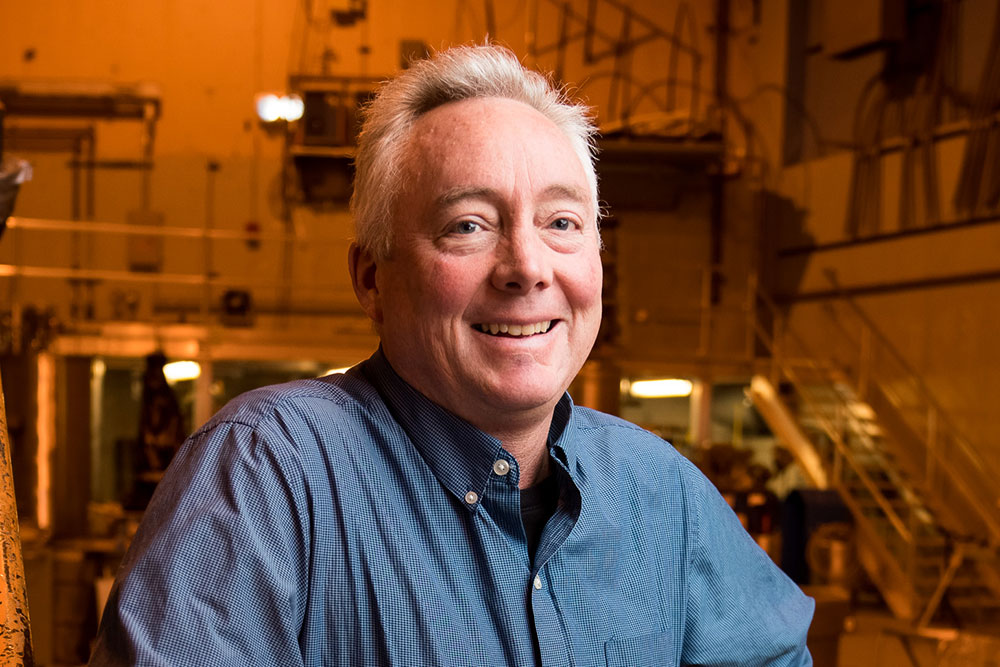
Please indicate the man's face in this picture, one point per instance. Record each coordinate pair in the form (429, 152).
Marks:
(491, 298)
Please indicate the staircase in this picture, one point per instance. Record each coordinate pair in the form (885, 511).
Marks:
(926, 507)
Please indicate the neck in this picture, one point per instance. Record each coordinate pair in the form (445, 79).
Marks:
(528, 447)
(522, 432)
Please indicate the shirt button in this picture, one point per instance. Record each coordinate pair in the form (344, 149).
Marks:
(501, 467)
(538, 583)
(471, 497)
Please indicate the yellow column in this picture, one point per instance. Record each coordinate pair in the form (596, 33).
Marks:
(700, 412)
(600, 386)
(15, 632)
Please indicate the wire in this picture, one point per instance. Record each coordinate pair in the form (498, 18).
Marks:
(976, 167)
(683, 10)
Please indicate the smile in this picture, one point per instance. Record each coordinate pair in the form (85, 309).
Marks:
(514, 329)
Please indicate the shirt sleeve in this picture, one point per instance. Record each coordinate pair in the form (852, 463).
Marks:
(217, 574)
(741, 609)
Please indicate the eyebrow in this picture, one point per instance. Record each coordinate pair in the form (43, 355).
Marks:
(559, 191)
(458, 194)
(555, 191)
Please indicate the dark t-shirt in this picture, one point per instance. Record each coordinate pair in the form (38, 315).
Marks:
(538, 503)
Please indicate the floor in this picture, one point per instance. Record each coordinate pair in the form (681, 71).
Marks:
(873, 637)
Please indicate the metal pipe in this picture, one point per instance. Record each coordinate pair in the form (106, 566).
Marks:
(41, 224)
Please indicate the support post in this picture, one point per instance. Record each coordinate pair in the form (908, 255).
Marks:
(15, 632)
(701, 413)
(600, 385)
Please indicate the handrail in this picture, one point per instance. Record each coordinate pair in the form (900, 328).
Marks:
(989, 518)
(831, 431)
(912, 374)
(773, 309)
(845, 451)
(895, 533)
(831, 276)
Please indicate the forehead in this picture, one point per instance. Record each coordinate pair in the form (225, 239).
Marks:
(491, 143)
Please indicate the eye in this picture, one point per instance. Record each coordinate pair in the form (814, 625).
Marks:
(562, 224)
(467, 227)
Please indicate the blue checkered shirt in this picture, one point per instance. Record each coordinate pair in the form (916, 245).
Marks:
(348, 520)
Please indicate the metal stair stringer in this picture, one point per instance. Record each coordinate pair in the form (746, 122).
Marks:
(928, 530)
(874, 553)
(913, 558)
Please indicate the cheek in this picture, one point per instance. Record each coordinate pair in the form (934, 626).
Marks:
(583, 284)
(455, 280)
(440, 292)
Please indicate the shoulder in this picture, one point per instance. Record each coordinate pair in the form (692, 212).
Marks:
(272, 446)
(299, 420)
(592, 422)
(616, 438)
(296, 401)
(630, 453)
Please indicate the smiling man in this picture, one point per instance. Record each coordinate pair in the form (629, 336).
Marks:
(444, 502)
(489, 300)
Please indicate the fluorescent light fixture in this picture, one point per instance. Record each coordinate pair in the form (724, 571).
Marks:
(271, 108)
(665, 388)
(177, 371)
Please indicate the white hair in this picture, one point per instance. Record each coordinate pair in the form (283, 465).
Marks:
(459, 73)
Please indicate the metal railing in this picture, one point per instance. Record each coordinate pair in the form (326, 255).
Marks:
(952, 469)
(904, 540)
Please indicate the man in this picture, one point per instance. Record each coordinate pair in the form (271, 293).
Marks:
(444, 502)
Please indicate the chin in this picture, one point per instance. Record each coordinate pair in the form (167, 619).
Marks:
(525, 397)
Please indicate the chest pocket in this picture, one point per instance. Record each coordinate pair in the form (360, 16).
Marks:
(644, 651)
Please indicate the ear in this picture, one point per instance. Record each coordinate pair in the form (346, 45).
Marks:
(362, 267)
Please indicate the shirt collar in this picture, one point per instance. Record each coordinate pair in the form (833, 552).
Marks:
(460, 455)
(562, 444)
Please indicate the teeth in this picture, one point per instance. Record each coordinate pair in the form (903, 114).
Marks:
(515, 329)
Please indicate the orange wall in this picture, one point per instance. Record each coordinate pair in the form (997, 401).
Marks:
(209, 59)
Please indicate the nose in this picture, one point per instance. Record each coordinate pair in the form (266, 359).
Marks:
(522, 262)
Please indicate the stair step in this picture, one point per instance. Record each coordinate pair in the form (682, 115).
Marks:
(958, 583)
(881, 487)
(959, 601)
(879, 476)
(899, 505)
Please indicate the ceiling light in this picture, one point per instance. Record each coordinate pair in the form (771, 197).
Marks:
(337, 371)
(665, 388)
(272, 108)
(176, 371)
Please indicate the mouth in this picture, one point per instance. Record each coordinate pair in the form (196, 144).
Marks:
(514, 330)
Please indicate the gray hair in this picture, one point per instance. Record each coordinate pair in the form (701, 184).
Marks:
(459, 73)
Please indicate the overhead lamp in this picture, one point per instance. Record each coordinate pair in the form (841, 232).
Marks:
(272, 108)
(661, 388)
(177, 371)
